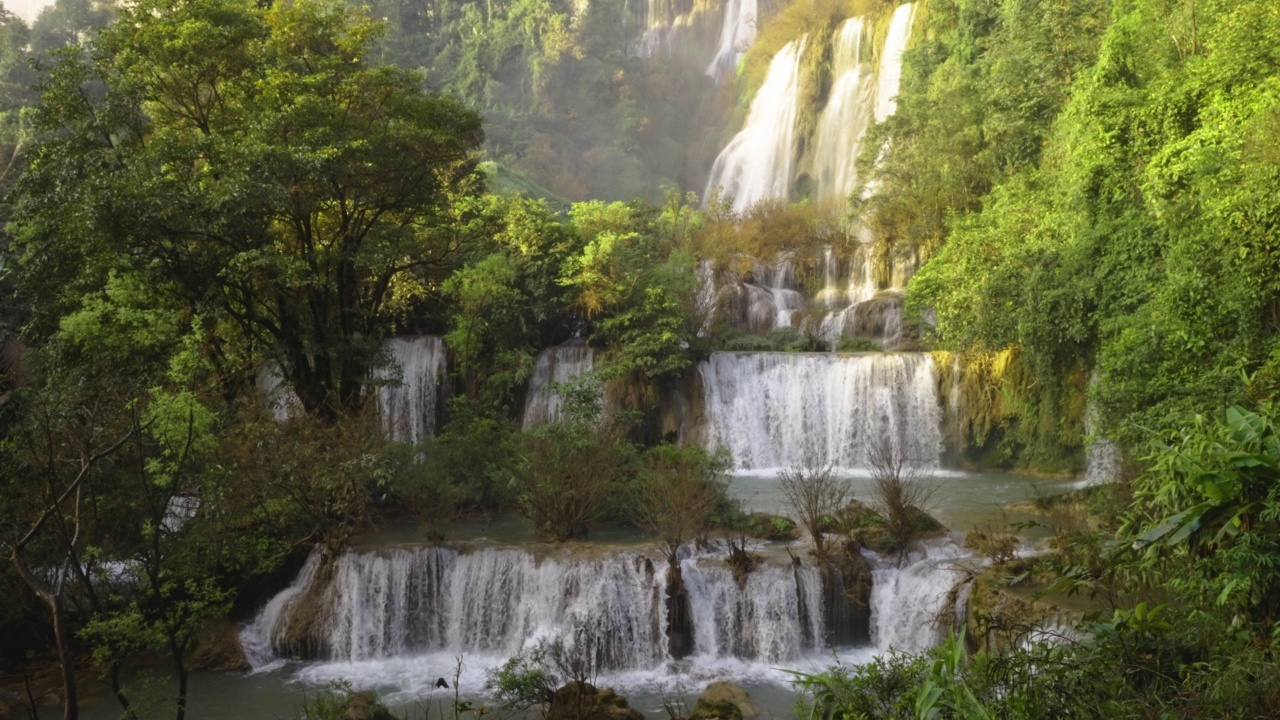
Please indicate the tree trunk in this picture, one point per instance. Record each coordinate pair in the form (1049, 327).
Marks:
(70, 699)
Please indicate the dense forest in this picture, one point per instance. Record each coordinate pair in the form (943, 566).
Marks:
(215, 214)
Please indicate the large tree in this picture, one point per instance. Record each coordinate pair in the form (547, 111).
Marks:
(251, 162)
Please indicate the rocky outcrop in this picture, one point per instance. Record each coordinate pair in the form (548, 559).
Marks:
(765, 526)
(846, 583)
(582, 701)
(997, 616)
(679, 615)
(723, 701)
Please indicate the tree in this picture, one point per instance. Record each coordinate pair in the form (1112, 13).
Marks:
(255, 164)
(815, 495)
(902, 489)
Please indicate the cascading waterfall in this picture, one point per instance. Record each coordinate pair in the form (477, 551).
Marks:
(757, 162)
(737, 33)
(557, 364)
(408, 402)
(778, 410)
(847, 115)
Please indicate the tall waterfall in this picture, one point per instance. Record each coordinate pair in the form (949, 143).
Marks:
(408, 403)
(492, 602)
(847, 115)
(757, 162)
(557, 364)
(777, 410)
(737, 32)
(890, 72)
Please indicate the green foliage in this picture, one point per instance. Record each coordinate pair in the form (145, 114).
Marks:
(1207, 513)
(1124, 225)
(249, 163)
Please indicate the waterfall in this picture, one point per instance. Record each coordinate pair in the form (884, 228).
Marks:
(259, 638)
(662, 21)
(889, 74)
(737, 32)
(557, 364)
(777, 410)
(847, 115)
(909, 604)
(493, 602)
(408, 399)
(773, 616)
(756, 164)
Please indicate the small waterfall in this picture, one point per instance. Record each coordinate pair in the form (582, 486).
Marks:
(847, 115)
(281, 399)
(1102, 462)
(557, 364)
(408, 402)
(774, 616)
(777, 410)
(756, 164)
(737, 33)
(909, 603)
(260, 638)
(889, 74)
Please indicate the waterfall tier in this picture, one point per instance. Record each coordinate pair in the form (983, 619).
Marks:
(779, 410)
(494, 602)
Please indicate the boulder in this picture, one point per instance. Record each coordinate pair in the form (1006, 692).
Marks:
(723, 701)
(583, 701)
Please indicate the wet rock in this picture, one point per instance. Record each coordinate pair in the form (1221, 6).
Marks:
(366, 706)
(583, 701)
(723, 701)
(847, 594)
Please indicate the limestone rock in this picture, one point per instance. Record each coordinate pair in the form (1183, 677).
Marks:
(723, 701)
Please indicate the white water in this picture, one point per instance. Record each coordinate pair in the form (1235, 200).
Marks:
(757, 162)
(779, 410)
(493, 602)
(776, 616)
(847, 115)
(889, 75)
(909, 603)
(408, 403)
(737, 33)
(557, 364)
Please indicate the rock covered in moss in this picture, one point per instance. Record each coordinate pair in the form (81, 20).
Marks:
(771, 527)
(583, 701)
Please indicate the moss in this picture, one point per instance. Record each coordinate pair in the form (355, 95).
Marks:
(770, 527)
